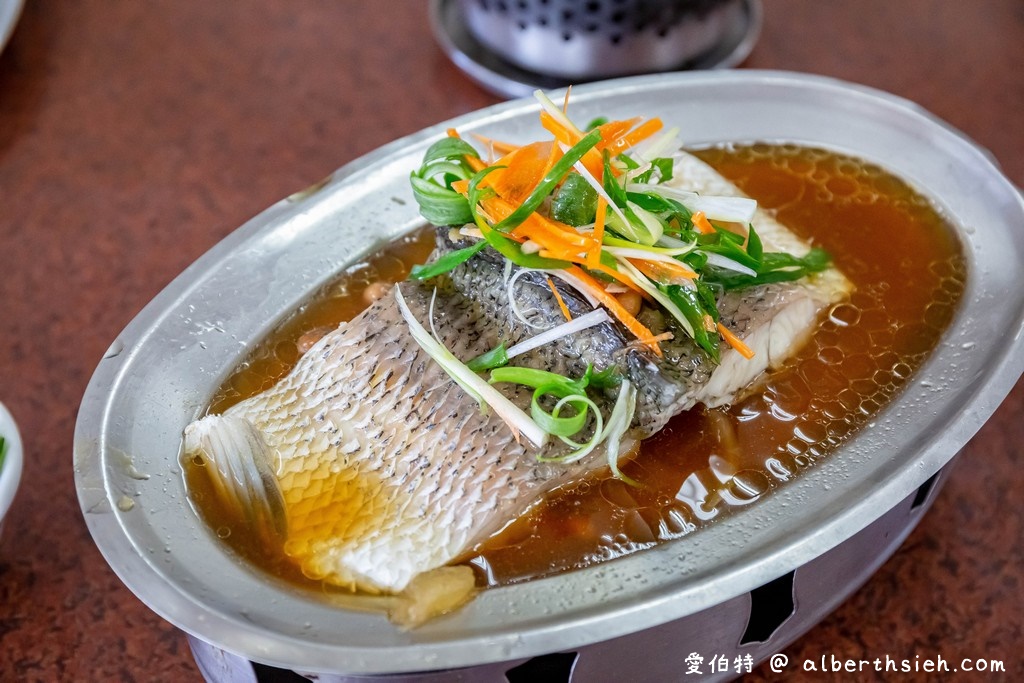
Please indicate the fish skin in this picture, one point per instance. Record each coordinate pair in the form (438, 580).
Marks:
(600, 346)
(388, 469)
(483, 280)
(773, 319)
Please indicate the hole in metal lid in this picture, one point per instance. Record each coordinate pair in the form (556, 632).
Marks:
(770, 606)
(921, 497)
(272, 674)
(556, 668)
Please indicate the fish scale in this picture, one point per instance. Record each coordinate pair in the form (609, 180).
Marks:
(349, 529)
(377, 467)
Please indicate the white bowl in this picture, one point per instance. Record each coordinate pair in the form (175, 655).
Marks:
(10, 10)
(10, 470)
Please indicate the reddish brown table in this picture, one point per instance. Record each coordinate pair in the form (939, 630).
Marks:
(135, 135)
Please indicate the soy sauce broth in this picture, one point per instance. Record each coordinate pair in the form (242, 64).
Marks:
(908, 269)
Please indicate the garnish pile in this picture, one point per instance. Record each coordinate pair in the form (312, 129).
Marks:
(594, 207)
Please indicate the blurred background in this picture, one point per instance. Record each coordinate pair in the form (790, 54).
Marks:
(136, 135)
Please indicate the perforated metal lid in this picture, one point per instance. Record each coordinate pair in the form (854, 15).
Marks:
(600, 38)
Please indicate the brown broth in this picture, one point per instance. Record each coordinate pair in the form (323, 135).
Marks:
(908, 268)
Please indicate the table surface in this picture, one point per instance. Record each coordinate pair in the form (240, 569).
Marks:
(135, 135)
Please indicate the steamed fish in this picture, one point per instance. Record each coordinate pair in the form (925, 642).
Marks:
(375, 461)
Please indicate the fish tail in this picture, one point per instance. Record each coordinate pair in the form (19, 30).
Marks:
(238, 462)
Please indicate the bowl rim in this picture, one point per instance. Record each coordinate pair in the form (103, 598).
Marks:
(10, 472)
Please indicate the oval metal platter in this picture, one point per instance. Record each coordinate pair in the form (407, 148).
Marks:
(162, 370)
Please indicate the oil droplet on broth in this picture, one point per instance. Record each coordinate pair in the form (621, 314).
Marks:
(705, 463)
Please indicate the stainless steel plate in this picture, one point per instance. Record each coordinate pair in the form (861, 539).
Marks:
(162, 370)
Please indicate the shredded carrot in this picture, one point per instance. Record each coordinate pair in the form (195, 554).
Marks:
(496, 145)
(522, 171)
(547, 231)
(475, 163)
(616, 137)
(638, 134)
(613, 130)
(592, 160)
(735, 342)
(487, 230)
(664, 336)
(557, 240)
(635, 327)
(551, 238)
(701, 222)
(622, 278)
(664, 272)
(561, 303)
(594, 255)
(561, 133)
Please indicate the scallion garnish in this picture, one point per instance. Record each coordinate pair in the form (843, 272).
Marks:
(595, 317)
(601, 208)
(518, 421)
(449, 261)
(568, 392)
(495, 358)
(618, 424)
(444, 163)
(564, 427)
